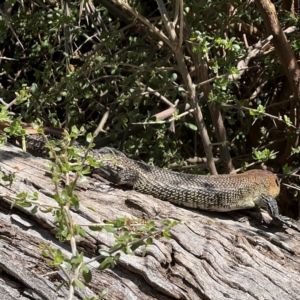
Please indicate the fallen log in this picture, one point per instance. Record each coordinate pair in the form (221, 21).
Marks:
(209, 256)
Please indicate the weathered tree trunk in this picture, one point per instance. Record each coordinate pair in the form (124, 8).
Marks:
(210, 255)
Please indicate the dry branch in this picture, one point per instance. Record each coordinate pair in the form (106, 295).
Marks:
(289, 63)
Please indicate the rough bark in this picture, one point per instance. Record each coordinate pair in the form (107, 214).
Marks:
(289, 63)
(210, 255)
(215, 109)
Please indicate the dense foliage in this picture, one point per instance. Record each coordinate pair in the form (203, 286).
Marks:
(98, 65)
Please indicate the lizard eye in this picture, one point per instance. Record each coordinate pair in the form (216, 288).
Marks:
(119, 168)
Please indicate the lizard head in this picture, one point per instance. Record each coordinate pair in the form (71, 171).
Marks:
(266, 182)
(273, 185)
(115, 166)
(269, 182)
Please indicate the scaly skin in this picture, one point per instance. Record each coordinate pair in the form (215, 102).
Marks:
(214, 193)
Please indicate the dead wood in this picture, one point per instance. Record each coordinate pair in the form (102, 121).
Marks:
(210, 255)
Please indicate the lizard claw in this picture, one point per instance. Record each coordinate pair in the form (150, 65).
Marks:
(289, 222)
(283, 219)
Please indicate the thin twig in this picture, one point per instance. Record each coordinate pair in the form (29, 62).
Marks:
(259, 112)
(176, 13)
(7, 58)
(292, 186)
(180, 24)
(167, 121)
(99, 257)
(102, 123)
(168, 23)
(4, 16)
(248, 165)
(145, 21)
(163, 98)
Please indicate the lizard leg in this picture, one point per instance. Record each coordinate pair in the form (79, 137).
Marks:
(270, 204)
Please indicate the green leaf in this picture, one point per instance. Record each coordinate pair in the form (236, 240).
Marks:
(106, 263)
(109, 228)
(95, 228)
(135, 236)
(296, 150)
(136, 245)
(58, 259)
(166, 234)
(287, 120)
(64, 195)
(45, 254)
(287, 169)
(251, 112)
(47, 210)
(65, 232)
(74, 130)
(173, 77)
(75, 202)
(191, 126)
(42, 246)
(58, 199)
(104, 253)
(144, 251)
(23, 204)
(119, 222)
(142, 228)
(91, 208)
(89, 137)
(87, 274)
(85, 171)
(78, 259)
(66, 265)
(34, 88)
(117, 256)
(261, 108)
(81, 232)
(104, 293)
(149, 241)
(128, 251)
(79, 284)
(34, 210)
(60, 286)
(114, 247)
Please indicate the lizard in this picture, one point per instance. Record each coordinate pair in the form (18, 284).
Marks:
(219, 193)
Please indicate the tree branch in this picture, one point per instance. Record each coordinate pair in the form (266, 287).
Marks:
(145, 21)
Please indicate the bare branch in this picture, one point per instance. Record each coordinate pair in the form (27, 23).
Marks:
(167, 21)
(145, 21)
(102, 123)
(176, 13)
(255, 50)
(163, 98)
(159, 121)
(180, 24)
(259, 112)
(170, 111)
(4, 16)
